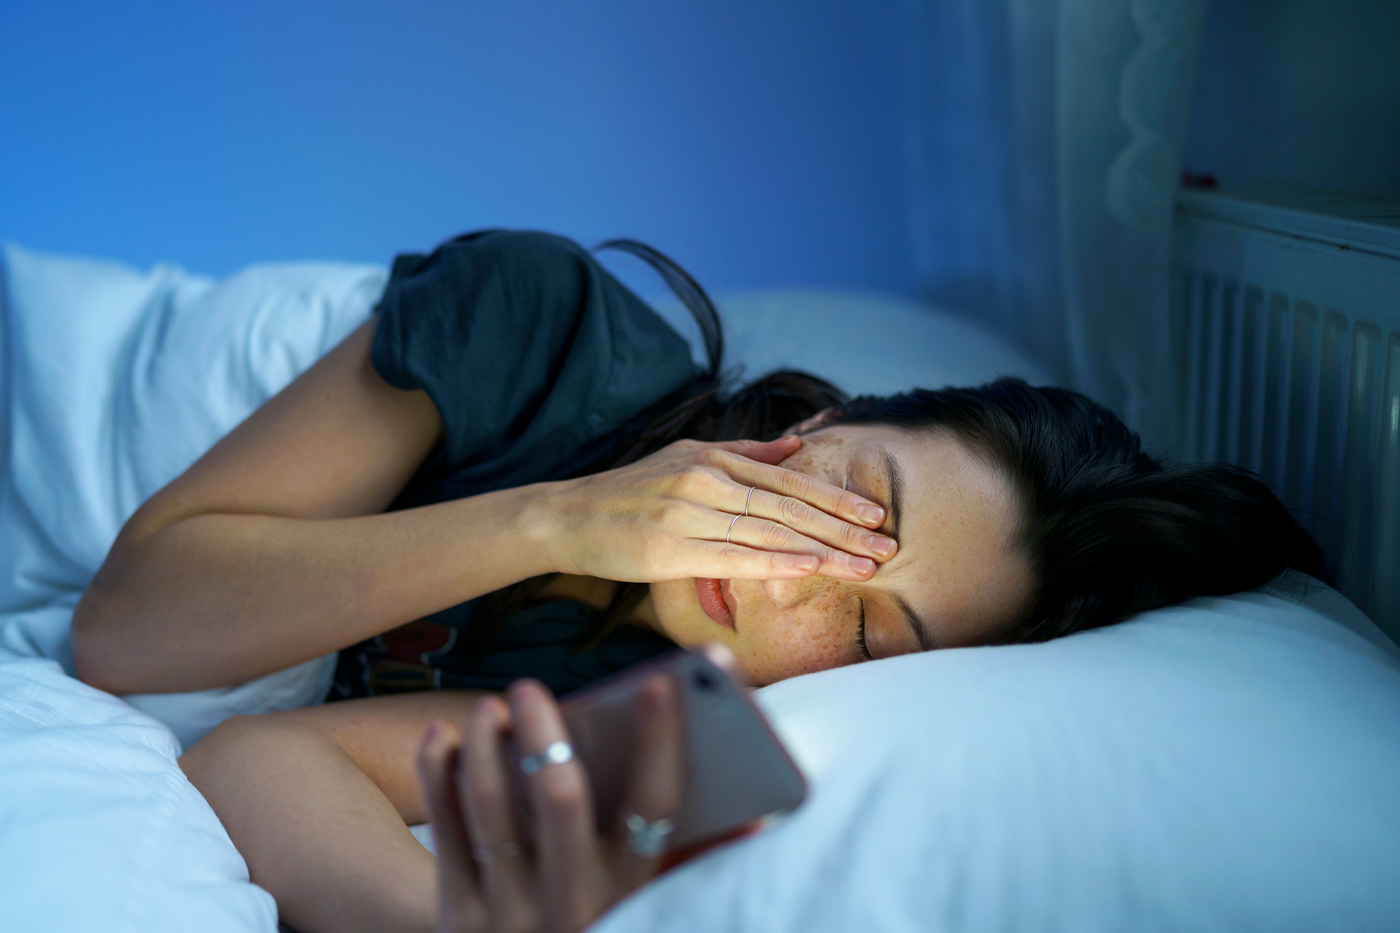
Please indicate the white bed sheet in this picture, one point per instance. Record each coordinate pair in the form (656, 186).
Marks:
(112, 381)
(99, 830)
(115, 381)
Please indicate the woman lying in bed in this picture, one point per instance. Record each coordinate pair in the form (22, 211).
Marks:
(514, 470)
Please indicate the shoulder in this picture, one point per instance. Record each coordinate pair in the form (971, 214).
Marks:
(494, 252)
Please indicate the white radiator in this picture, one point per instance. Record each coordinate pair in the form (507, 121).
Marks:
(1286, 331)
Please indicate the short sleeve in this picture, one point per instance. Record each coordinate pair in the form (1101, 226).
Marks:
(531, 351)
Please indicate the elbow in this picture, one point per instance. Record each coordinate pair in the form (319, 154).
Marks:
(218, 752)
(92, 663)
(101, 637)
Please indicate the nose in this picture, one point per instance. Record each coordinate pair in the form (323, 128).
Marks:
(786, 593)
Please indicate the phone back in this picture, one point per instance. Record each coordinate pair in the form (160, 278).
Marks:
(736, 769)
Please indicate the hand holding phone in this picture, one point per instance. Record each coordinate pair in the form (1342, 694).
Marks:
(736, 769)
(599, 792)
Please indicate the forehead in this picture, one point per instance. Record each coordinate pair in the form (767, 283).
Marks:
(956, 565)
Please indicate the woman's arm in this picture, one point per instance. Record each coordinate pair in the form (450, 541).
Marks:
(272, 549)
(268, 551)
(317, 801)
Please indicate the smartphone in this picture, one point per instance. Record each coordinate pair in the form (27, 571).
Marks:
(737, 770)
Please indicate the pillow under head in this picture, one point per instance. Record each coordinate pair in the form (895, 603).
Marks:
(1229, 764)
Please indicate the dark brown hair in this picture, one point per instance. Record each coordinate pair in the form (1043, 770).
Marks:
(1109, 532)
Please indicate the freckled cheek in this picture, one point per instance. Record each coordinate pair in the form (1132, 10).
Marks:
(816, 459)
(800, 643)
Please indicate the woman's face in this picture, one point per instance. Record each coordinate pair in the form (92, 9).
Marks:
(954, 581)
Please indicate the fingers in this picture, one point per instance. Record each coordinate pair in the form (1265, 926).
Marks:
(771, 452)
(770, 536)
(658, 776)
(833, 500)
(814, 523)
(438, 757)
(785, 511)
(795, 512)
(672, 515)
(484, 784)
(467, 790)
(572, 877)
(738, 562)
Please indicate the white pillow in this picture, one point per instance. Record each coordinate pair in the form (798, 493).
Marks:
(117, 381)
(101, 829)
(1231, 764)
(863, 342)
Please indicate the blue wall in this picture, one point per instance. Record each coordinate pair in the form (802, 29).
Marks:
(758, 142)
(761, 142)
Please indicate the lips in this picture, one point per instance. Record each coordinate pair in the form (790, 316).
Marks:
(712, 601)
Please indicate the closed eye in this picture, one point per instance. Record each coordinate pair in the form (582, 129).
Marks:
(860, 636)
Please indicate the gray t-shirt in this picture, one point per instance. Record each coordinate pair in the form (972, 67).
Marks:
(536, 357)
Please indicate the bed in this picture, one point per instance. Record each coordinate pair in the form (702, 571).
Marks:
(1226, 764)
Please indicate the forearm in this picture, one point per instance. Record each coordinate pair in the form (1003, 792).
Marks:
(316, 832)
(218, 599)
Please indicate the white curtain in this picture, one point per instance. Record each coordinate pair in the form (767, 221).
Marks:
(1045, 146)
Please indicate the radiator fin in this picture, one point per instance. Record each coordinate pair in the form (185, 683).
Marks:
(1386, 585)
(1310, 399)
(1286, 324)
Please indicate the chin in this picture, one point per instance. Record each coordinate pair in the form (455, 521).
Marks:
(678, 610)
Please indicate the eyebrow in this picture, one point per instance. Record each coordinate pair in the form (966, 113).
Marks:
(894, 478)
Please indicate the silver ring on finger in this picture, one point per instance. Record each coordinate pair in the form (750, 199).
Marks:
(648, 839)
(747, 499)
(557, 753)
(490, 855)
(731, 528)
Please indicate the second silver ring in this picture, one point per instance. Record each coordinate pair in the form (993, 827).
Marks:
(731, 528)
(746, 500)
(557, 753)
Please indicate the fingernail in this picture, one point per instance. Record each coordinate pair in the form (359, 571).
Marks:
(789, 439)
(862, 565)
(526, 690)
(870, 514)
(805, 562)
(881, 545)
(648, 698)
